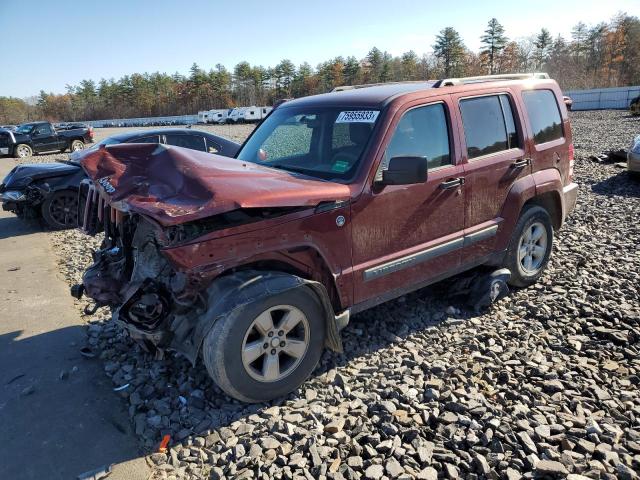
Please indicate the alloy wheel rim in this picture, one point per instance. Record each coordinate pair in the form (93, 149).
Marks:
(275, 343)
(77, 147)
(23, 152)
(64, 209)
(532, 248)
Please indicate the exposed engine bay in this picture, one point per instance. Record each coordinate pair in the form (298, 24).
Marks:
(156, 303)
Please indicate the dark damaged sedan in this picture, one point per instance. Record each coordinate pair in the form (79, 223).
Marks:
(50, 190)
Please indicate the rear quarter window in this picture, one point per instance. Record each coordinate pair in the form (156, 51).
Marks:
(544, 115)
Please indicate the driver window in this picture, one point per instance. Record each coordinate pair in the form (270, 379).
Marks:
(421, 132)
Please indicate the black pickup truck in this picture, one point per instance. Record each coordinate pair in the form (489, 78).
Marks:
(41, 137)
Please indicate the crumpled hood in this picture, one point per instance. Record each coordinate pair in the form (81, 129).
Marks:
(175, 185)
(24, 174)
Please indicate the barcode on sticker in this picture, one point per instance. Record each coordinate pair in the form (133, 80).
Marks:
(359, 116)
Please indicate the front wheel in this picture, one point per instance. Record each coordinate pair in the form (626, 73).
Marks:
(530, 246)
(267, 348)
(22, 151)
(60, 209)
(77, 145)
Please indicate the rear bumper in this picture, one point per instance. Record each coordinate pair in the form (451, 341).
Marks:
(570, 193)
(633, 162)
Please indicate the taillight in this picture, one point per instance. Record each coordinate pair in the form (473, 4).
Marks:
(572, 161)
(91, 132)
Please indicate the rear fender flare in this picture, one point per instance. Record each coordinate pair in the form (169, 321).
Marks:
(231, 292)
(523, 190)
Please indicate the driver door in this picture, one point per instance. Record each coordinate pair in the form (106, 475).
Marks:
(44, 139)
(407, 235)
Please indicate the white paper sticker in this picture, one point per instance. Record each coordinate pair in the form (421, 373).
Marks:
(358, 116)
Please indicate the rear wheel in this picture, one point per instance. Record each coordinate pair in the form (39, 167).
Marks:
(22, 151)
(60, 209)
(267, 348)
(77, 145)
(530, 246)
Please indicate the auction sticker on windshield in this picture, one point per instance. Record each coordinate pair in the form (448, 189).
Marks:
(358, 116)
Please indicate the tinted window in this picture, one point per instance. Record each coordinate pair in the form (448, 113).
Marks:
(147, 139)
(544, 115)
(484, 126)
(194, 142)
(421, 132)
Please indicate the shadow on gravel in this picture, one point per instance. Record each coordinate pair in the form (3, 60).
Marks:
(623, 184)
(58, 413)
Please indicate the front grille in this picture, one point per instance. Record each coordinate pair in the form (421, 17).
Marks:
(94, 213)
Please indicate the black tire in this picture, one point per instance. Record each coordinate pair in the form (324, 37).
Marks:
(22, 150)
(530, 215)
(60, 209)
(222, 347)
(76, 145)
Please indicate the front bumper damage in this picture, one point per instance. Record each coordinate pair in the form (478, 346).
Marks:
(162, 307)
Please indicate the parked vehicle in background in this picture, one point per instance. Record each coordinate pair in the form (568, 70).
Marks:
(633, 156)
(70, 126)
(50, 190)
(42, 137)
(8, 127)
(334, 204)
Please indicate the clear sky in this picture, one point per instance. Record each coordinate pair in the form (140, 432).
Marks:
(47, 44)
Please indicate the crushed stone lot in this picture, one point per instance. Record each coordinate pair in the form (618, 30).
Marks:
(545, 384)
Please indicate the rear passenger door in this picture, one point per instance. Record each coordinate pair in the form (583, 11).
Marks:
(494, 157)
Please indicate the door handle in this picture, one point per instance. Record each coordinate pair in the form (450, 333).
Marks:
(452, 183)
(523, 162)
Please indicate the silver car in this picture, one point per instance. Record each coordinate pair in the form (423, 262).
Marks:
(633, 156)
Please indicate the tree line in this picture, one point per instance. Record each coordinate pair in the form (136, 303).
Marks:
(602, 55)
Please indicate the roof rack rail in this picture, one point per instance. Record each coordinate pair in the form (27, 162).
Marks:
(342, 88)
(449, 82)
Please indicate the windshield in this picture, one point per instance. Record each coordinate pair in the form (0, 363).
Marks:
(321, 142)
(24, 128)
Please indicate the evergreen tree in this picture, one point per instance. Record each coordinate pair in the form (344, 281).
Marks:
(450, 51)
(494, 41)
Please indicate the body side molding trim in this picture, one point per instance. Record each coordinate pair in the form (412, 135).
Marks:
(428, 254)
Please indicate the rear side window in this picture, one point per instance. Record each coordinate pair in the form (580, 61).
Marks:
(489, 126)
(44, 130)
(194, 142)
(544, 115)
(422, 132)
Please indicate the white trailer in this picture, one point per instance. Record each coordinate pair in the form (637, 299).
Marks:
(237, 115)
(218, 116)
(203, 116)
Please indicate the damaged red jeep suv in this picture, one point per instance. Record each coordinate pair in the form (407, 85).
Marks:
(334, 204)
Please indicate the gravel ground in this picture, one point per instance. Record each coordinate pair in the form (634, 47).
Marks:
(546, 384)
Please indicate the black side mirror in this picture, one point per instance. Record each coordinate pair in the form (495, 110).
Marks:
(405, 171)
